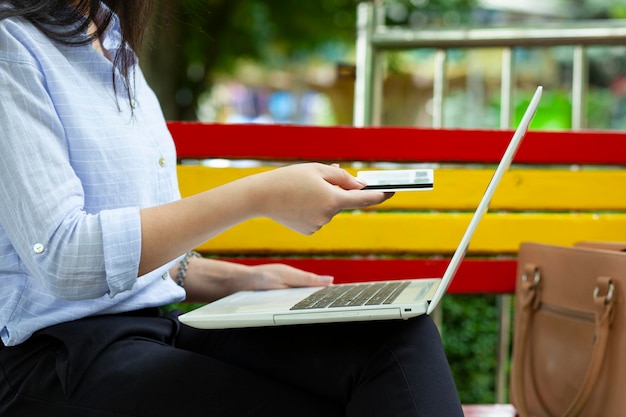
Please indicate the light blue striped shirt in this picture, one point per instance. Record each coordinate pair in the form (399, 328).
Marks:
(75, 168)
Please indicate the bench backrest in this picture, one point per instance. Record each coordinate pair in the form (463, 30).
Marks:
(564, 187)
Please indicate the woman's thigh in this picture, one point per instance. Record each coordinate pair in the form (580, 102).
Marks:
(137, 372)
(143, 378)
(378, 369)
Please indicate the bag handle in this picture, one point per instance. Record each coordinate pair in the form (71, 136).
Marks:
(604, 301)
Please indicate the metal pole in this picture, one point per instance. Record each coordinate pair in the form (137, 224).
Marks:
(605, 32)
(505, 300)
(439, 88)
(579, 88)
(507, 82)
(364, 82)
(377, 67)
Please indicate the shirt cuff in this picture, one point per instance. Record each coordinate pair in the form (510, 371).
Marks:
(121, 231)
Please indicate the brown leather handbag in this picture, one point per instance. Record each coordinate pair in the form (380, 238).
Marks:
(569, 346)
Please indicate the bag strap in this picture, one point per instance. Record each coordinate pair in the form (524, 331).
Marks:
(530, 302)
(604, 301)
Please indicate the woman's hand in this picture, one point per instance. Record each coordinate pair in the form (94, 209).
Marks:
(274, 276)
(210, 279)
(305, 197)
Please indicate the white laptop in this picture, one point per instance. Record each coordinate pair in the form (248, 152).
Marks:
(395, 299)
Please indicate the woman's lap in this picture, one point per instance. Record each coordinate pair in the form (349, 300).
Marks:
(142, 366)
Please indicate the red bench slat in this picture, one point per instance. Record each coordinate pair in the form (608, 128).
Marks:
(491, 276)
(394, 144)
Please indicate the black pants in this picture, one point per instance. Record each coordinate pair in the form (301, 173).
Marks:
(147, 365)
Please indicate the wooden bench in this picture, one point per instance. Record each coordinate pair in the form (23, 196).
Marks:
(563, 187)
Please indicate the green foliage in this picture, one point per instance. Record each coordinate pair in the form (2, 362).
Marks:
(618, 11)
(416, 13)
(470, 337)
(184, 307)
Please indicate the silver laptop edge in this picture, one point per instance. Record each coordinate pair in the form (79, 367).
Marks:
(482, 208)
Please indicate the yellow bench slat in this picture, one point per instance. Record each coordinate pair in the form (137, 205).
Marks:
(461, 189)
(419, 233)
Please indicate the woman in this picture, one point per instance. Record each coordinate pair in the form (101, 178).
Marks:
(92, 232)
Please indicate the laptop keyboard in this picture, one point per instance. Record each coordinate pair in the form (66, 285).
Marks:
(353, 295)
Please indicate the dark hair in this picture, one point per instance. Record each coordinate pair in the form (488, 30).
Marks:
(64, 21)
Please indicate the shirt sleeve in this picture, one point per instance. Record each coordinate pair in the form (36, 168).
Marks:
(75, 254)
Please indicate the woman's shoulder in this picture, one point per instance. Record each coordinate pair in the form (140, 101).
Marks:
(16, 27)
(21, 41)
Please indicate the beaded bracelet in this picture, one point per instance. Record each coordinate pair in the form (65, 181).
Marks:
(182, 269)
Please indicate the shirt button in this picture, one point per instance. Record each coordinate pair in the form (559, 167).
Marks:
(164, 276)
(133, 104)
(38, 248)
(162, 162)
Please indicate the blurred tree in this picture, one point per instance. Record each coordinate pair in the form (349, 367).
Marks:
(191, 39)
